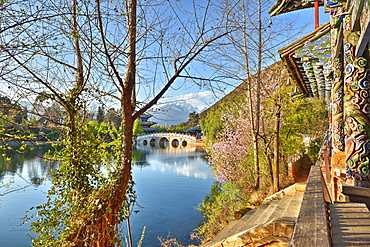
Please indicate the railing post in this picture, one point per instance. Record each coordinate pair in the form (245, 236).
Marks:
(327, 164)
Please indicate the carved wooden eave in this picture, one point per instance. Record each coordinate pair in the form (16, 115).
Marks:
(293, 60)
(284, 6)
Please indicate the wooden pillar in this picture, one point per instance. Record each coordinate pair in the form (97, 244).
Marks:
(316, 14)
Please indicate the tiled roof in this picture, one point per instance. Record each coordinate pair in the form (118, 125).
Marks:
(284, 6)
(308, 61)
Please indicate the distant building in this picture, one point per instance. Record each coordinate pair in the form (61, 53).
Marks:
(146, 124)
(196, 132)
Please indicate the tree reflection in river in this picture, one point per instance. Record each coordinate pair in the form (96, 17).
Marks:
(27, 164)
(24, 182)
(169, 185)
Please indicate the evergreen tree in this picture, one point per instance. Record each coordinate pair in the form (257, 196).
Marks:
(137, 128)
(100, 114)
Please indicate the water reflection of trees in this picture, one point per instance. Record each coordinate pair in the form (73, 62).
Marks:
(17, 161)
(31, 160)
(139, 157)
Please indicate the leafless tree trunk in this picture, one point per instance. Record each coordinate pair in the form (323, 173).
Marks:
(276, 149)
(249, 50)
(81, 54)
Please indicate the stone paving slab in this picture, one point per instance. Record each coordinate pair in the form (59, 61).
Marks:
(245, 223)
(281, 208)
(271, 241)
(221, 236)
(294, 206)
(264, 225)
(268, 211)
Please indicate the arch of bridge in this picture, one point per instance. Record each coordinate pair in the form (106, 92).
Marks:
(159, 139)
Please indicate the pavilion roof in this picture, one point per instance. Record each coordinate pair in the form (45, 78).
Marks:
(145, 116)
(150, 129)
(284, 6)
(193, 130)
(308, 61)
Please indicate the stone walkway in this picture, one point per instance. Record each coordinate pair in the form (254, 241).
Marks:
(299, 217)
(271, 224)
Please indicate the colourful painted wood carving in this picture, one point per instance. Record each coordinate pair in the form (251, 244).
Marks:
(336, 64)
(337, 108)
(318, 50)
(330, 4)
(304, 76)
(356, 106)
(311, 78)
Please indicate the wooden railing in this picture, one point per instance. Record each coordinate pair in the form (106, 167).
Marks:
(312, 227)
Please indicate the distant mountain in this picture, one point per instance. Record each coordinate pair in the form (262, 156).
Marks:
(175, 109)
(173, 113)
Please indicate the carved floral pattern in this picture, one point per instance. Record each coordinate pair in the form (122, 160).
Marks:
(337, 91)
(356, 107)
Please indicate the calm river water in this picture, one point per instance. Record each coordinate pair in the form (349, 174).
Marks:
(170, 183)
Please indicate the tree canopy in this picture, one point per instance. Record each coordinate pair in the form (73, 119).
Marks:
(66, 57)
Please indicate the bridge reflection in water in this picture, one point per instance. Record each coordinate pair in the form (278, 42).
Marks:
(168, 150)
(166, 140)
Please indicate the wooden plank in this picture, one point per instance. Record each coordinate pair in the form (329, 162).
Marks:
(327, 164)
(350, 224)
(354, 190)
(311, 228)
(327, 196)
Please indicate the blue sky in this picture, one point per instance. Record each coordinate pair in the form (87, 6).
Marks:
(185, 97)
(193, 98)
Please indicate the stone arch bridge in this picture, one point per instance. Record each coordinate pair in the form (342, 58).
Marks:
(164, 140)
